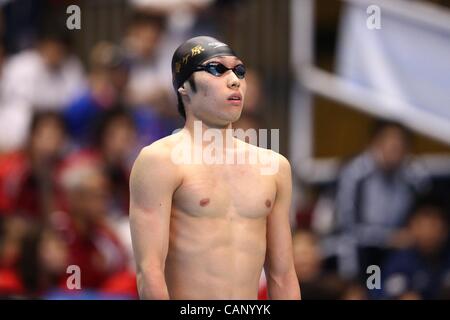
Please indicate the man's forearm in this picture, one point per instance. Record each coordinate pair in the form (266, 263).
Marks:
(285, 287)
(152, 287)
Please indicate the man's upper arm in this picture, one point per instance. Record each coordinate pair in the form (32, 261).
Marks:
(279, 242)
(279, 265)
(153, 180)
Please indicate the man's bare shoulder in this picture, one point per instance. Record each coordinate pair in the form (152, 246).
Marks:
(155, 162)
(160, 150)
(270, 162)
(284, 167)
(271, 154)
(284, 162)
(154, 166)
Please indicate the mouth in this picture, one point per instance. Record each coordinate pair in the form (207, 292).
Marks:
(235, 99)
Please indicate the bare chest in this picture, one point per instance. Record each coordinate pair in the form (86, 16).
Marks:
(218, 191)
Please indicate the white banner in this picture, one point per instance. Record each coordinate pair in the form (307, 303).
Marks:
(405, 59)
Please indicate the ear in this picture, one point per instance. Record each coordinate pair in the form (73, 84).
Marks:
(182, 90)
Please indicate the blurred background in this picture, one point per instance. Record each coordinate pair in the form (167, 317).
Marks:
(360, 91)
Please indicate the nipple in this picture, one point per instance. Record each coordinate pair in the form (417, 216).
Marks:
(204, 202)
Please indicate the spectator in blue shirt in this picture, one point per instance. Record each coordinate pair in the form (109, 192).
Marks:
(375, 193)
(421, 270)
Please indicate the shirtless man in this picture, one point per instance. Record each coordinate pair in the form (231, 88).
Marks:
(205, 231)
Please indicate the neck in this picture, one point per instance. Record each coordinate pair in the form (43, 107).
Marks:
(204, 133)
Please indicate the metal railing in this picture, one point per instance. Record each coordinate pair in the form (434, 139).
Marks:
(311, 80)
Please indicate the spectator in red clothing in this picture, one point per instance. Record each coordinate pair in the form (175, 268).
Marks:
(93, 244)
(122, 285)
(118, 146)
(113, 149)
(27, 177)
(12, 230)
(43, 262)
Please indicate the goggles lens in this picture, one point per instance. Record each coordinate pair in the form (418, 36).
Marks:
(218, 69)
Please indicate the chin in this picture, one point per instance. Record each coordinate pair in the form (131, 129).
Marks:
(234, 116)
(223, 119)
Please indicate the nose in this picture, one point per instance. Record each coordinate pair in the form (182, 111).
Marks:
(233, 81)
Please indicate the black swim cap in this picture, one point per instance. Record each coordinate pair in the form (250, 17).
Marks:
(192, 53)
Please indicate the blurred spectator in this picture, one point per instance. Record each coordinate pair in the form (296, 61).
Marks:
(108, 79)
(251, 117)
(116, 139)
(375, 193)
(315, 284)
(113, 147)
(150, 83)
(150, 43)
(186, 18)
(150, 93)
(354, 291)
(44, 77)
(28, 176)
(117, 146)
(14, 118)
(421, 271)
(254, 94)
(21, 20)
(43, 263)
(93, 244)
(122, 285)
(12, 231)
(169, 5)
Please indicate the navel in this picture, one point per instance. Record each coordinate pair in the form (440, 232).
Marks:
(204, 202)
(268, 203)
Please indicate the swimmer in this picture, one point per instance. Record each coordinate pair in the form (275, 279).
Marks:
(207, 230)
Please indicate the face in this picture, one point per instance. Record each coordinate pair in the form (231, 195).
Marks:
(429, 230)
(119, 139)
(53, 53)
(53, 253)
(307, 259)
(14, 228)
(218, 100)
(354, 292)
(119, 78)
(47, 140)
(90, 200)
(143, 39)
(392, 147)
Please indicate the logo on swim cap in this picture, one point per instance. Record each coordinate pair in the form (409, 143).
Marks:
(197, 50)
(216, 45)
(192, 53)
